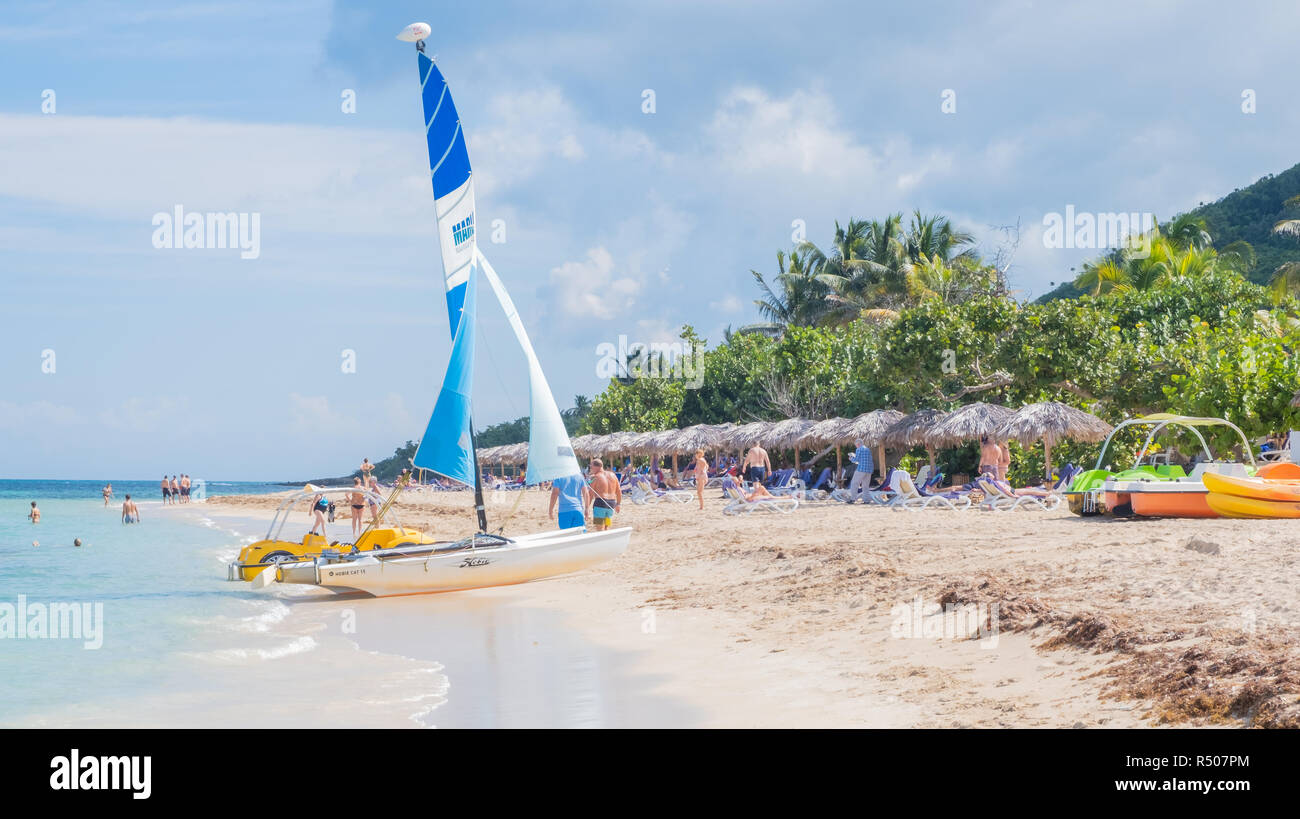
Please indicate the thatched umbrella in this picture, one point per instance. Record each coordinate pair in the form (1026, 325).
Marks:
(914, 430)
(831, 432)
(582, 445)
(701, 436)
(969, 422)
(749, 434)
(1052, 421)
(791, 434)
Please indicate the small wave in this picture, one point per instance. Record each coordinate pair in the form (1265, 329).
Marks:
(296, 646)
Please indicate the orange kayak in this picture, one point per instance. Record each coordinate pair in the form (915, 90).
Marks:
(1264, 489)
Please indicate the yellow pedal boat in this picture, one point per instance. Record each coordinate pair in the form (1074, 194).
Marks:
(274, 549)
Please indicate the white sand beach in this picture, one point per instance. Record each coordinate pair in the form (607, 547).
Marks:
(794, 620)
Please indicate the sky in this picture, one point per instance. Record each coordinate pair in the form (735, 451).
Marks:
(125, 360)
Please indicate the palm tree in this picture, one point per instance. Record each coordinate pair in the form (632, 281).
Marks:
(1188, 231)
(866, 269)
(1289, 226)
(934, 237)
(799, 297)
(1285, 282)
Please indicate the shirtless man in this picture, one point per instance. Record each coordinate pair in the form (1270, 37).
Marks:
(167, 490)
(606, 496)
(990, 457)
(176, 490)
(130, 512)
(185, 488)
(756, 465)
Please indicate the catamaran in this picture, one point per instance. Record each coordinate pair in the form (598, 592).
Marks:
(447, 448)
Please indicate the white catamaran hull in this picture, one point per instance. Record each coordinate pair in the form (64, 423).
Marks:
(523, 559)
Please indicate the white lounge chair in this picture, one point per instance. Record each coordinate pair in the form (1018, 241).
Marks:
(740, 504)
(905, 495)
(1000, 497)
(643, 492)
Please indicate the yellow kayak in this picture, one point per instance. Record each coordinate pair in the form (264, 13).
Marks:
(1236, 506)
(1265, 489)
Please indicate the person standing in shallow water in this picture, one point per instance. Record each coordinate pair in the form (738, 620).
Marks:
(130, 512)
(35, 514)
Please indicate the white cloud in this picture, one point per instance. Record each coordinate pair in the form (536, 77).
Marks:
(592, 288)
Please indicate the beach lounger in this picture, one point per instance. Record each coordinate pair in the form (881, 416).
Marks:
(643, 492)
(999, 496)
(740, 504)
(905, 495)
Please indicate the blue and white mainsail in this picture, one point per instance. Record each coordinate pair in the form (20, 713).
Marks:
(453, 184)
(447, 447)
(550, 454)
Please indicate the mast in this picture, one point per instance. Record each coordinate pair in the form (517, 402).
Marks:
(453, 192)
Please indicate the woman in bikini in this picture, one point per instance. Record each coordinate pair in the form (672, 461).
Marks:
(701, 469)
(357, 500)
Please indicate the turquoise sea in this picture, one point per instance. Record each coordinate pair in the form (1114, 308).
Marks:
(180, 646)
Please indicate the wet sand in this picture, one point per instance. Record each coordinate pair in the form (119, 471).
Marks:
(823, 617)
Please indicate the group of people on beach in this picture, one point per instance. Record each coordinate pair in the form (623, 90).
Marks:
(131, 512)
(597, 497)
(365, 487)
(175, 491)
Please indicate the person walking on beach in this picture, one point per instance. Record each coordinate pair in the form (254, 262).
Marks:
(108, 493)
(606, 495)
(176, 490)
(366, 469)
(700, 468)
(318, 507)
(166, 490)
(130, 512)
(572, 495)
(756, 465)
(866, 464)
(35, 514)
(357, 500)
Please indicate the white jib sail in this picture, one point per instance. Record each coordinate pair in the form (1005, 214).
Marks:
(550, 455)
